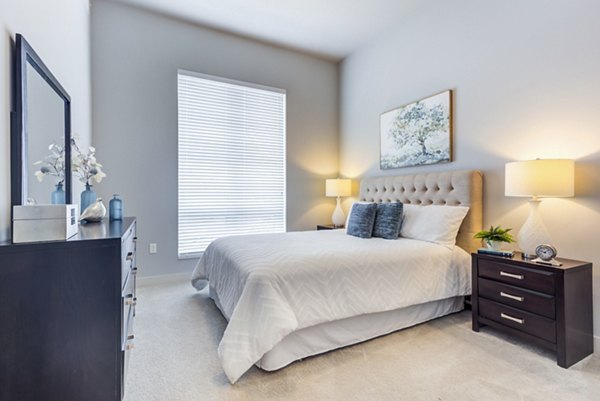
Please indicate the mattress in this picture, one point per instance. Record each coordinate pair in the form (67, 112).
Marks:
(270, 286)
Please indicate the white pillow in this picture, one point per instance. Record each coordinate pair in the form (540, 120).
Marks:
(433, 223)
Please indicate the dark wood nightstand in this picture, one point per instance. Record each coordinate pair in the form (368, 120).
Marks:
(551, 306)
(327, 227)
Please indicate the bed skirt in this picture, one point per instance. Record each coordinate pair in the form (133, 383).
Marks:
(329, 336)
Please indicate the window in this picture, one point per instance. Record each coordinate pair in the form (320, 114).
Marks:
(231, 160)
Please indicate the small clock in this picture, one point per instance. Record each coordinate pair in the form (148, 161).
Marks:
(545, 255)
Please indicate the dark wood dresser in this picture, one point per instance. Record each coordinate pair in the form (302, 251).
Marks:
(66, 315)
(551, 306)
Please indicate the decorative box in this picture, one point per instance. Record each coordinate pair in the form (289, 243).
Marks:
(34, 223)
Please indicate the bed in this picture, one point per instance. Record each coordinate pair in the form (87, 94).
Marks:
(292, 295)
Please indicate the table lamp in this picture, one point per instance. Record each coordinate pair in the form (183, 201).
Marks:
(338, 187)
(540, 178)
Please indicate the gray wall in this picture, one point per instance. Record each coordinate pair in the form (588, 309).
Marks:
(135, 57)
(526, 76)
(59, 31)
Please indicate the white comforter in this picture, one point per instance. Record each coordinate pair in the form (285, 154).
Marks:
(270, 285)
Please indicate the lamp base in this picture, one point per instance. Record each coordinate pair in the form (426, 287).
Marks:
(338, 218)
(533, 232)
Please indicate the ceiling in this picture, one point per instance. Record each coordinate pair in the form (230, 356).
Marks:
(329, 28)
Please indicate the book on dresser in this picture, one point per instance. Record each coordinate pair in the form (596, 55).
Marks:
(506, 254)
(549, 305)
(66, 315)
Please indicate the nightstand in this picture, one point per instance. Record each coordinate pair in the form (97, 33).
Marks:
(548, 305)
(327, 227)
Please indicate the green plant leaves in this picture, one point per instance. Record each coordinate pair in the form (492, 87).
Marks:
(495, 234)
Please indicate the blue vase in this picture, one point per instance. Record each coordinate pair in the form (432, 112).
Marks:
(87, 197)
(58, 195)
(115, 207)
(115, 228)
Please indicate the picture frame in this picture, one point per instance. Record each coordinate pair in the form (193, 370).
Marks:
(418, 133)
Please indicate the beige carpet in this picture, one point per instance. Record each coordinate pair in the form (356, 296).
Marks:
(177, 332)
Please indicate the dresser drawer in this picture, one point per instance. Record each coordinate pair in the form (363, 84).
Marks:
(538, 326)
(535, 302)
(537, 280)
(127, 345)
(128, 245)
(129, 287)
(127, 334)
(128, 301)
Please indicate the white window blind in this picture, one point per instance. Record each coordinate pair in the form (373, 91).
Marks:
(231, 160)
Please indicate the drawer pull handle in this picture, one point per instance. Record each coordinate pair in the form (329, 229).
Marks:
(510, 296)
(517, 276)
(129, 256)
(514, 319)
(129, 342)
(134, 270)
(130, 300)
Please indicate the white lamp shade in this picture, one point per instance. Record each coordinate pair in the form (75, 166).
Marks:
(338, 187)
(542, 177)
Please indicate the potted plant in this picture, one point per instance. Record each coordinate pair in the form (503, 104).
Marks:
(495, 236)
(86, 167)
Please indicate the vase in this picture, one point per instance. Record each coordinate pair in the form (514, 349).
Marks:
(494, 245)
(58, 195)
(115, 207)
(87, 197)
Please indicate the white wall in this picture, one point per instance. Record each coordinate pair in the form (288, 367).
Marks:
(526, 76)
(135, 57)
(59, 31)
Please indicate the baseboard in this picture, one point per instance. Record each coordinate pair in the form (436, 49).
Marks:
(163, 279)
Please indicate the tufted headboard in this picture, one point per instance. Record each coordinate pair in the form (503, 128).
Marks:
(457, 188)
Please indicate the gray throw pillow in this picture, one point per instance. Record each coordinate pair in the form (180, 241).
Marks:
(388, 220)
(362, 218)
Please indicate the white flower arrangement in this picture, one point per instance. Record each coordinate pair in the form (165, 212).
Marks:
(53, 164)
(85, 166)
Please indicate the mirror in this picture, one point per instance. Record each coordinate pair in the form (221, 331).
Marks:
(45, 133)
(41, 137)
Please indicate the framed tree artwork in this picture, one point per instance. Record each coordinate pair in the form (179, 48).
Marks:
(418, 133)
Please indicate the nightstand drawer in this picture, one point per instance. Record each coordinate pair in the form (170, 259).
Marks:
(524, 321)
(527, 300)
(537, 280)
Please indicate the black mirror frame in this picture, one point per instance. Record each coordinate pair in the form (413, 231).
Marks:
(24, 54)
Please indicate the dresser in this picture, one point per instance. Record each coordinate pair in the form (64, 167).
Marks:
(548, 305)
(66, 315)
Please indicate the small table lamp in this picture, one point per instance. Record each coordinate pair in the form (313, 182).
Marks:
(338, 187)
(553, 178)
